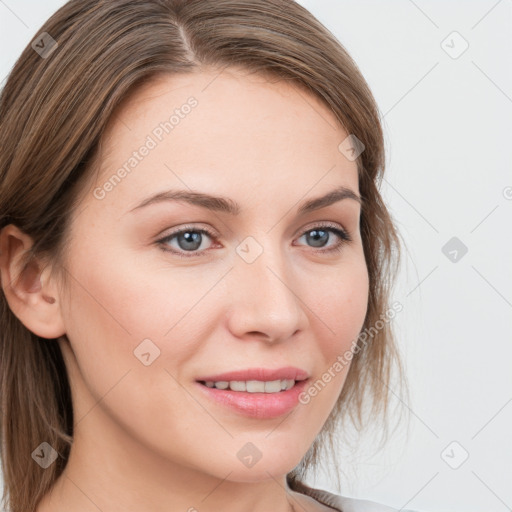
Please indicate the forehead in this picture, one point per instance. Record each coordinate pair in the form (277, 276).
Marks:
(219, 132)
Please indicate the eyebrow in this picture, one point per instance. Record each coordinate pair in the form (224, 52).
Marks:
(227, 205)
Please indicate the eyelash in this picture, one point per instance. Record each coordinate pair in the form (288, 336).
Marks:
(342, 234)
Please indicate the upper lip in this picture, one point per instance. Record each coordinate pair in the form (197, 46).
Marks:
(262, 374)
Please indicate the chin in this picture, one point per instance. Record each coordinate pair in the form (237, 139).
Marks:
(259, 472)
(254, 464)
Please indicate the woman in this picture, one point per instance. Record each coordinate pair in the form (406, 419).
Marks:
(195, 259)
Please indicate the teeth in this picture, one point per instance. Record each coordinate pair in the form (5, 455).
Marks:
(273, 386)
(287, 384)
(237, 385)
(253, 386)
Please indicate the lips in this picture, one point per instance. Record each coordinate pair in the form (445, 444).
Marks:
(255, 404)
(261, 374)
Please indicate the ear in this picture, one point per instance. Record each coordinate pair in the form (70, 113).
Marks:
(30, 293)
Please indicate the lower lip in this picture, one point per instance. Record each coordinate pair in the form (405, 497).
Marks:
(257, 405)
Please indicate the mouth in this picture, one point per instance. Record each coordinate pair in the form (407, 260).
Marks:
(256, 393)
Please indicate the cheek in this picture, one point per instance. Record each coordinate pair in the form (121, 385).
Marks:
(340, 310)
(112, 323)
(106, 321)
(340, 305)
(128, 299)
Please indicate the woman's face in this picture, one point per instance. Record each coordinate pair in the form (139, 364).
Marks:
(151, 315)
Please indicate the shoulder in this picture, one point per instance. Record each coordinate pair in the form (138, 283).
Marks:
(347, 504)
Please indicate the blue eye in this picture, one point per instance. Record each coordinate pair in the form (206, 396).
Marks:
(189, 240)
(320, 234)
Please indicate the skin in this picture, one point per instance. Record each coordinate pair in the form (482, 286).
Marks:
(145, 437)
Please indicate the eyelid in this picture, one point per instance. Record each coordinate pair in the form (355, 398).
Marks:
(318, 224)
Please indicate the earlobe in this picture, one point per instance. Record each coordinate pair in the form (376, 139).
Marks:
(32, 296)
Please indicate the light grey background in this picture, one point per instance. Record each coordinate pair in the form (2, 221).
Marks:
(448, 138)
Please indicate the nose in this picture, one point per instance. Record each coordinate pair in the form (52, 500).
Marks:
(265, 299)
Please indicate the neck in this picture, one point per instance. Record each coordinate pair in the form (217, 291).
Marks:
(111, 473)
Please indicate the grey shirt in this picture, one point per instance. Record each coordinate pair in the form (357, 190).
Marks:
(346, 504)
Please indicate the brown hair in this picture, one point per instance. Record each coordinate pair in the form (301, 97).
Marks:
(53, 112)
